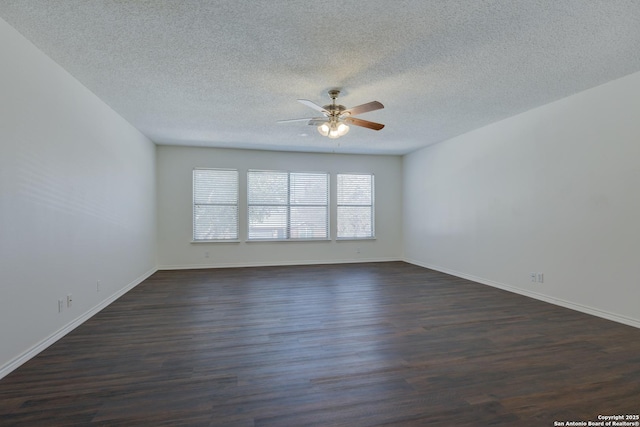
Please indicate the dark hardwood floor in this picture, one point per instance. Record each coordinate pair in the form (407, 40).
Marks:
(334, 345)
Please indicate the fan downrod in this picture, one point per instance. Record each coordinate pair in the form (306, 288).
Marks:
(333, 108)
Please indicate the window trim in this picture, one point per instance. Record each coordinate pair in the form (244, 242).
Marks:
(236, 239)
(288, 207)
(372, 206)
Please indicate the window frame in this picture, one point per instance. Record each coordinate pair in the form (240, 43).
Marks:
(288, 208)
(371, 206)
(236, 205)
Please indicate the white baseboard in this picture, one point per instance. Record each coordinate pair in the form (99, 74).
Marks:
(42, 345)
(546, 298)
(275, 263)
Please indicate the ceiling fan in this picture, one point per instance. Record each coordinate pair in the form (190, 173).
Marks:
(336, 117)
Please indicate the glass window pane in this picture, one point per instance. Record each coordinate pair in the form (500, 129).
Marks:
(267, 187)
(215, 186)
(215, 222)
(309, 222)
(267, 222)
(354, 189)
(309, 189)
(355, 221)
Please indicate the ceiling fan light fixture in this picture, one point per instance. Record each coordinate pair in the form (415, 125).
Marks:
(333, 129)
(323, 129)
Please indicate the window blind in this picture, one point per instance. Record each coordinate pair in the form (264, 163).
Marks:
(215, 204)
(355, 206)
(287, 205)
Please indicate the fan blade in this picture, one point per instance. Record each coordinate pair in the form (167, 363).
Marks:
(317, 121)
(363, 123)
(364, 108)
(313, 105)
(300, 120)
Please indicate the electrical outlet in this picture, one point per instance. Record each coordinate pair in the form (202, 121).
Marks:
(540, 277)
(98, 286)
(69, 300)
(206, 254)
(60, 305)
(534, 276)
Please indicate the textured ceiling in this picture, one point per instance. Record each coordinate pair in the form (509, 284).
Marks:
(221, 73)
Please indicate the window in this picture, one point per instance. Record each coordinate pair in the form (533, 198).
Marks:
(215, 204)
(288, 205)
(355, 206)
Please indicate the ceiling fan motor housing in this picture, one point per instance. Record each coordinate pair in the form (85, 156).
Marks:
(334, 109)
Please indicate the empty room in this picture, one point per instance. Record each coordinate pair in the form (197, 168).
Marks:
(297, 213)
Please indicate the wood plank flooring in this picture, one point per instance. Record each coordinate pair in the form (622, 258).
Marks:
(376, 344)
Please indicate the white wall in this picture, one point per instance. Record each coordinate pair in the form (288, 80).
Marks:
(77, 201)
(553, 190)
(175, 209)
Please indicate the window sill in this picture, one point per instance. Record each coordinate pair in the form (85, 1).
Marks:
(217, 241)
(287, 240)
(341, 239)
(351, 239)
